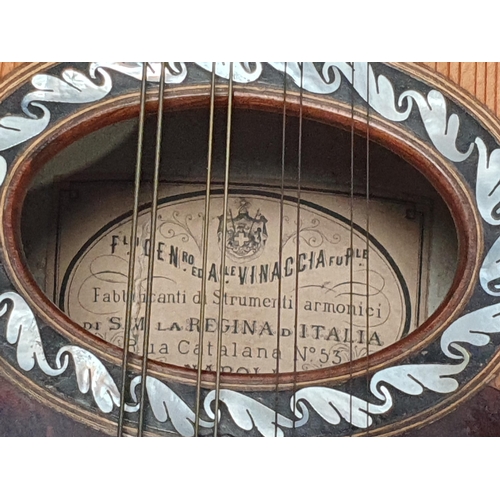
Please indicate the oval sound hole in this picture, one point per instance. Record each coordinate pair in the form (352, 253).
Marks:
(338, 275)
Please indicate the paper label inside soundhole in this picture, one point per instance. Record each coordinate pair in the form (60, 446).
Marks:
(344, 291)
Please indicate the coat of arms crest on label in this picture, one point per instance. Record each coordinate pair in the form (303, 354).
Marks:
(246, 235)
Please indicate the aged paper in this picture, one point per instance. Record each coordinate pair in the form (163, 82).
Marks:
(344, 291)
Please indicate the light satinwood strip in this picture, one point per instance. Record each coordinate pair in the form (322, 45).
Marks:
(468, 77)
(495, 90)
(478, 78)
(7, 67)
(481, 82)
(454, 72)
(491, 85)
(442, 67)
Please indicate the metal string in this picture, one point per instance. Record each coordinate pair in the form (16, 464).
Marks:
(297, 246)
(223, 247)
(367, 235)
(351, 245)
(152, 244)
(205, 251)
(133, 237)
(280, 254)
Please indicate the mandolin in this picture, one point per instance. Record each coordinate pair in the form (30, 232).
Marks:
(276, 249)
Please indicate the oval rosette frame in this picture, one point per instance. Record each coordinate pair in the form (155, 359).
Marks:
(431, 123)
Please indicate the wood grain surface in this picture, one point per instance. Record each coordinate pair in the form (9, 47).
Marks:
(7, 67)
(480, 79)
